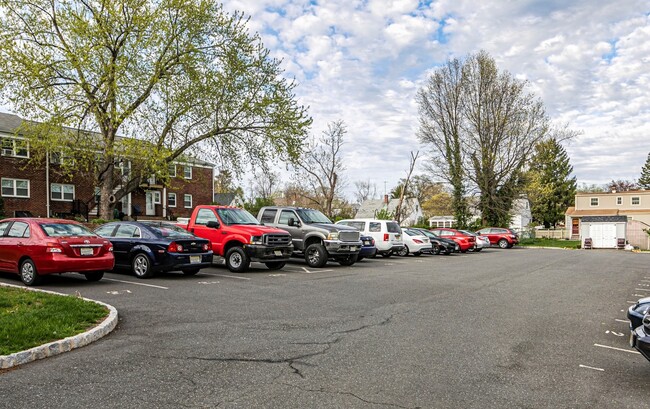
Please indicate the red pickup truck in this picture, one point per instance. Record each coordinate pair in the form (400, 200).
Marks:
(238, 237)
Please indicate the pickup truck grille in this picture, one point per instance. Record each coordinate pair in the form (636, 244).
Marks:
(349, 236)
(277, 239)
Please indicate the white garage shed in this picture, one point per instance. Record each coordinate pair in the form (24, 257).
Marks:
(603, 231)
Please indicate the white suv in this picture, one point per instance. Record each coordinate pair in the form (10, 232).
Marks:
(387, 234)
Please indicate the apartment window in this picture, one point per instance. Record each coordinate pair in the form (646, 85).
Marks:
(14, 147)
(187, 201)
(15, 187)
(636, 200)
(155, 197)
(125, 168)
(594, 201)
(619, 200)
(172, 171)
(187, 172)
(62, 192)
(171, 199)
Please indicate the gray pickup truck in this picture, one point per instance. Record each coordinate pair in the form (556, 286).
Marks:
(314, 235)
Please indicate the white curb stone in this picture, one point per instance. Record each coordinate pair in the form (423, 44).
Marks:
(62, 345)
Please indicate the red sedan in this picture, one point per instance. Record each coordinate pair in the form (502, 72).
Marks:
(34, 247)
(466, 242)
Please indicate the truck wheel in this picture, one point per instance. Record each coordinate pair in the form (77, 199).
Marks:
(275, 265)
(237, 260)
(348, 260)
(316, 255)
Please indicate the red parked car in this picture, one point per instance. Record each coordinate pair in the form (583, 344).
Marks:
(504, 238)
(34, 247)
(466, 242)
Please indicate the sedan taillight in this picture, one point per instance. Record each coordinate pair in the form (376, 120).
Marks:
(174, 247)
(417, 241)
(54, 248)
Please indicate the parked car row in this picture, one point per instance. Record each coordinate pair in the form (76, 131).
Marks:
(33, 247)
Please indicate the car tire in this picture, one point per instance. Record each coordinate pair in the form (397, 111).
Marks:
(94, 275)
(141, 266)
(448, 253)
(316, 255)
(417, 253)
(28, 274)
(236, 260)
(477, 250)
(387, 254)
(503, 243)
(275, 265)
(436, 250)
(403, 252)
(348, 260)
(191, 271)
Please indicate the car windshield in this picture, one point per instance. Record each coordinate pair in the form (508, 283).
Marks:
(168, 230)
(236, 216)
(310, 216)
(468, 233)
(66, 229)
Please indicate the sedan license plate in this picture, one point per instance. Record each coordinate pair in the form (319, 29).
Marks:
(277, 253)
(195, 259)
(86, 251)
(366, 243)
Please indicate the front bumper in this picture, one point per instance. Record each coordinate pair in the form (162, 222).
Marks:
(336, 247)
(641, 341)
(263, 253)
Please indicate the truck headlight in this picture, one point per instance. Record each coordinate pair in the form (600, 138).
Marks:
(256, 240)
(333, 235)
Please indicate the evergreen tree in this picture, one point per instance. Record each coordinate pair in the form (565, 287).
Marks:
(644, 180)
(551, 189)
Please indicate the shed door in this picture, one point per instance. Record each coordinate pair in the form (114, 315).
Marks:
(603, 235)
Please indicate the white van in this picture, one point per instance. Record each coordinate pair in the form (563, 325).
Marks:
(387, 233)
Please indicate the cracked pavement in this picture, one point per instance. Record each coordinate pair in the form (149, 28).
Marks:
(487, 330)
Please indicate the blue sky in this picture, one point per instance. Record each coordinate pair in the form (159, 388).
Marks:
(363, 62)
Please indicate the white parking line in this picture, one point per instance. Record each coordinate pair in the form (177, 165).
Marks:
(642, 289)
(131, 282)
(225, 275)
(625, 321)
(617, 349)
(591, 367)
(305, 271)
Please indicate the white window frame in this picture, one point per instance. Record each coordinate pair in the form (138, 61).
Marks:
(15, 188)
(619, 201)
(169, 196)
(638, 198)
(185, 197)
(172, 174)
(13, 153)
(187, 168)
(62, 192)
(591, 201)
(155, 197)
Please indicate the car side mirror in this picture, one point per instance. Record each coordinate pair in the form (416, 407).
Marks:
(213, 224)
(293, 222)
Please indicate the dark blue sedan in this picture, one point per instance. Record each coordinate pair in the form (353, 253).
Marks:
(150, 247)
(368, 248)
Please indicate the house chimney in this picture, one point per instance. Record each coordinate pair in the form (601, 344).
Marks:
(386, 199)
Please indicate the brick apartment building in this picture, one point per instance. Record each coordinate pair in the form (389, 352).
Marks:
(44, 190)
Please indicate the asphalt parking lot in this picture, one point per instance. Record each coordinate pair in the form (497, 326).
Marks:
(501, 328)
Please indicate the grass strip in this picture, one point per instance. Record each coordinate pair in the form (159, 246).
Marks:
(543, 242)
(31, 318)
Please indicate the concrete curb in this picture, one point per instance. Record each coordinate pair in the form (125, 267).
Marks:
(62, 345)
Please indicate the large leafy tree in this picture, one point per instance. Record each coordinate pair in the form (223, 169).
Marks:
(178, 77)
(551, 188)
(644, 180)
(482, 126)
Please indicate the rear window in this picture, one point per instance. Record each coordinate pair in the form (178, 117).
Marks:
(269, 215)
(166, 230)
(393, 227)
(66, 229)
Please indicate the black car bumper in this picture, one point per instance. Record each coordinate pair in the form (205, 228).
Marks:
(394, 249)
(368, 251)
(641, 341)
(260, 252)
(184, 261)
